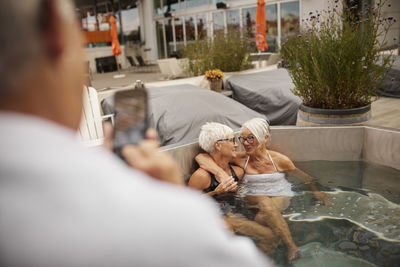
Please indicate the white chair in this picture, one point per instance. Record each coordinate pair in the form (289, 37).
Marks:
(91, 127)
(170, 68)
(164, 68)
(273, 59)
(183, 64)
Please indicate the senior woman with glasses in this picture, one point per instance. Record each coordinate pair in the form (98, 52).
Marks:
(264, 182)
(219, 142)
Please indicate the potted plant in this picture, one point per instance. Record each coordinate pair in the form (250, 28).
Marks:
(336, 63)
(214, 78)
(227, 52)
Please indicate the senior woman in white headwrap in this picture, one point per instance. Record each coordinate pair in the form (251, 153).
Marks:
(264, 182)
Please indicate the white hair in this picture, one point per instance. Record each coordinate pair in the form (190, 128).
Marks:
(210, 133)
(21, 24)
(259, 128)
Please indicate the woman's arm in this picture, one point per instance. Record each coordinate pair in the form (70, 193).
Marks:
(201, 180)
(286, 165)
(308, 180)
(240, 159)
(305, 178)
(207, 163)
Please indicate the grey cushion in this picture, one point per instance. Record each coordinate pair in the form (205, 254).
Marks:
(177, 112)
(268, 93)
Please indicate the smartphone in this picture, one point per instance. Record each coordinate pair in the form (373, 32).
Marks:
(131, 116)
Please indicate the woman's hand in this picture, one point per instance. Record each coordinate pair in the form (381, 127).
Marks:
(321, 196)
(308, 180)
(222, 176)
(227, 185)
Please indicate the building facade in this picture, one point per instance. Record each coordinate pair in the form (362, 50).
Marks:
(179, 22)
(165, 27)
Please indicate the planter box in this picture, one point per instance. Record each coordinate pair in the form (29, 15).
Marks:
(308, 116)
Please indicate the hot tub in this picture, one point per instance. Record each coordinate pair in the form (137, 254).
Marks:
(360, 143)
(359, 168)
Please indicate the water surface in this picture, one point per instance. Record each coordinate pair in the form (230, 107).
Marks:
(361, 228)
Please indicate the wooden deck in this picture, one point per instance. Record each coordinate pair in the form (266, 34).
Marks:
(386, 113)
(385, 110)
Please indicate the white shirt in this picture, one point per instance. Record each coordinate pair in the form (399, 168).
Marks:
(62, 204)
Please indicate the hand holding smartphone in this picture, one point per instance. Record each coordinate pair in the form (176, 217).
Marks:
(131, 112)
(130, 127)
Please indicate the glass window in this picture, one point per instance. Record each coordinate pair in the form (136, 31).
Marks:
(104, 24)
(160, 39)
(89, 22)
(170, 5)
(249, 21)
(190, 30)
(195, 3)
(101, 8)
(271, 16)
(233, 20)
(289, 19)
(178, 29)
(218, 22)
(179, 34)
(201, 26)
(249, 27)
(130, 24)
(360, 8)
(109, 7)
(157, 7)
(183, 4)
(217, 1)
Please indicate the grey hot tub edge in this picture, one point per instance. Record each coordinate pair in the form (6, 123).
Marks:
(346, 143)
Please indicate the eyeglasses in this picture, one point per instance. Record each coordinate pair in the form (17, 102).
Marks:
(249, 139)
(233, 140)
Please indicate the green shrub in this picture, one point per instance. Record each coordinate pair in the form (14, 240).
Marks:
(199, 55)
(336, 62)
(226, 52)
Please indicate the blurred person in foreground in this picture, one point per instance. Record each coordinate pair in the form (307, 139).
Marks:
(62, 204)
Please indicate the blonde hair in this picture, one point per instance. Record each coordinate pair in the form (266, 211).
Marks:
(210, 133)
(259, 128)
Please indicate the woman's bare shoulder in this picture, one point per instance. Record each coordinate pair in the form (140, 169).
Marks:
(200, 179)
(283, 162)
(277, 155)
